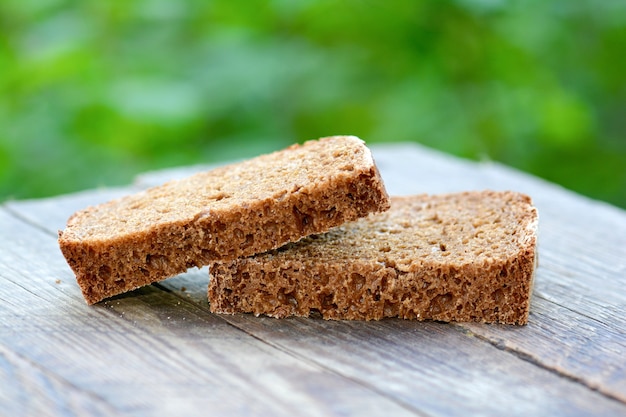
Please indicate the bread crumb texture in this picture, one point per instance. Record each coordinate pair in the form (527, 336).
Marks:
(455, 257)
(229, 212)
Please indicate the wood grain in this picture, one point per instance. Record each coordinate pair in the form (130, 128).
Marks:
(578, 316)
(586, 286)
(147, 353)
(28, 390)
(431, 367)
(442, 363)
(568, 361)
(573, 345)
(50, 210)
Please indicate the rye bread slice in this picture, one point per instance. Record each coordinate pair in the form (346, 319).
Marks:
(229, 212)
(455, 257)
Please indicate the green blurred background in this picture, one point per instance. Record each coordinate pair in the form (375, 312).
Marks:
(93, 92)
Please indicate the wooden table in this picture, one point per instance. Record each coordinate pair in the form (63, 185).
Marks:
(159, 351)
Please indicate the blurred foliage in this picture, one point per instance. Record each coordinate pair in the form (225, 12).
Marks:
(93, 92)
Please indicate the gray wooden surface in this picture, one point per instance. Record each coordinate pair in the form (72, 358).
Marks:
(159, 351)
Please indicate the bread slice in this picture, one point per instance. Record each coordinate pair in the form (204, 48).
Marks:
(454, 257)
(232, 211)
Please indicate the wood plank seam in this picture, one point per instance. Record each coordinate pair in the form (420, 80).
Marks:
(493, 342)
(19, 216)
(498, 344)
(295, 355)
(204, 308)
(494, 336)
(312, 362)
(538, 295)
(13, 357)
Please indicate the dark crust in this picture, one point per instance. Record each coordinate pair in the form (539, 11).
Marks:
(489, 289)
(105, 268)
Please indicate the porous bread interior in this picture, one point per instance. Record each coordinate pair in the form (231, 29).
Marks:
(229, 212)
(455, 257)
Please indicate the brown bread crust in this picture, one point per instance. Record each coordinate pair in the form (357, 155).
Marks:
(455, 257)
(230, 212)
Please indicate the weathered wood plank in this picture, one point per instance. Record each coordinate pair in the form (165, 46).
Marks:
(438, 368)
(48, 208)
(427, 365)
(399, 359)
(577, 317)
(28, 390)
(149, 353)
(396, 358)
(589, 283)
(574, 345)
